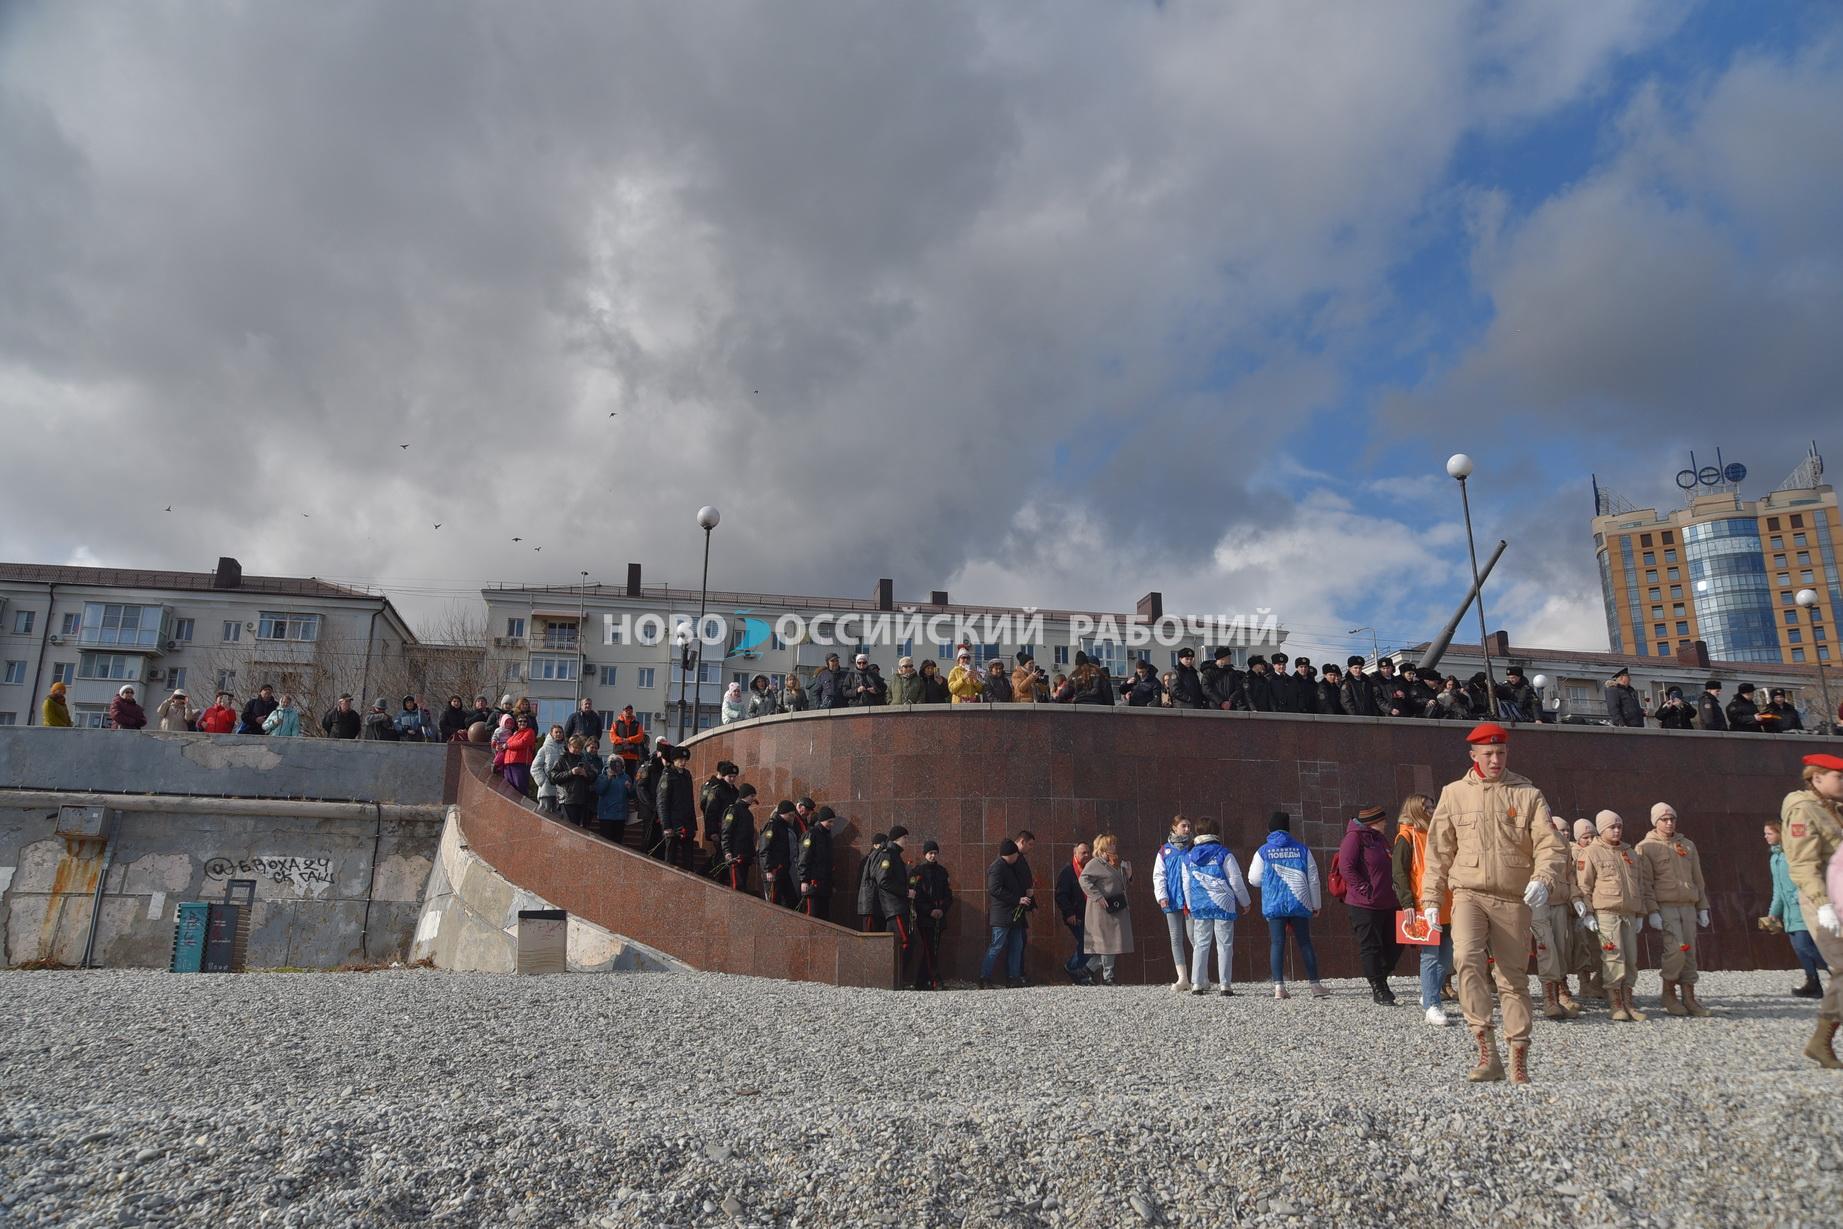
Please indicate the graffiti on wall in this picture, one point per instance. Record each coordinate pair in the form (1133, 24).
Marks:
(284, 874)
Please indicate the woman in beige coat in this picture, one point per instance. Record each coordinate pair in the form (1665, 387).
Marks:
(1106, 933)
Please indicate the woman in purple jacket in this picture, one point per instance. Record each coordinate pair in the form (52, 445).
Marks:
(1369, 877)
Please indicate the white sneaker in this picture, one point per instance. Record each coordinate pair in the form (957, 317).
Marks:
(1279, 990)
(1319, 991)
(1181, 985)
(1436, 1016)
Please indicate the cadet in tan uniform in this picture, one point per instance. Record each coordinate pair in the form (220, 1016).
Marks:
(1679, 904)
(1490, 843)
(1813, 822)
(1615, 885)
(1586, 944)
(1553, 927)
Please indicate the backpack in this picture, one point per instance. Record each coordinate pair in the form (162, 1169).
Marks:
(1337, 885)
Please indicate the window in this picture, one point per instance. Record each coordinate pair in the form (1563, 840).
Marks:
(905, 649)
(1798, 654)
(72, 621)
(1658, 630)
(552, 667)
(1644, 539)
(1579, 691)
(1778, 543)
(90, 717)
(1819, 634)
(182, 630)
(1650, 558)
(1798, 539)
(22, 621)
(233, 631)
(1678, 610)
(740, 678)
(1674, 574)
(1785, 599)
(1778, 561)
(608, 675)
(774, 638)
(560, 635)
(1657, 595)
(1791, 616)
(1663, 650)
(1772, 523)
(1795, 636)
(613, 631)
(515, 628)
(15, 673)
(1806, 577)
(647, 632)
(1798, 522)
(109, 666)
(643, 676)
(1683, 628)
(9, 718)
(110, 623)
(1657, 612)
(279, 625)
(1823, 652)
(1804, 557)
(1670, 535)
(64, 672)
(513, 672)
(177, 678)
(1651, 578)
(227, 680)
(1062, 655)
(1670, 556)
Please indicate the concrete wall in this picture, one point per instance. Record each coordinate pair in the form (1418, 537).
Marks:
(334, 884)
(969, 775)
(219, 766)
(470, 921)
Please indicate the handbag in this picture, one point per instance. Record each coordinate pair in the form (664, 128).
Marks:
(1115, 903)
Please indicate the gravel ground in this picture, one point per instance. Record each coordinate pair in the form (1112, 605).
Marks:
(138, 1098)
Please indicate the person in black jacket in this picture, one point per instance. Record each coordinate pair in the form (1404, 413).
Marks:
(1280, 683)
(1386, 684)
(867, 888)
(1418, 696)
(1359, 693)
(889, 878)
(997, 684)
(1187, 687)
(1143, 690)
(1072, 908)
(1743, 713)
(677, 806)
(934, 687)
(1008, 906)
(482, 712)
(1517, 692)
(455, 719)
(1304, 683)
(1709, 715)
(1331, 692)
(1257, 686)
(932, 896)
(1673, 713)
(574, 776)
(257, 710)
(1779, 715)
(813, 868)
(828, 689)
(714, 797)
(646, 795)
(342, 720)
(775, 849)
(738, 838)
(1223, 683)
(1092, 685)
(763, 702)
(1623, 707)
(584, 721)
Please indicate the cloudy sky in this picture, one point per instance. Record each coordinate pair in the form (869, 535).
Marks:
(1047, 303)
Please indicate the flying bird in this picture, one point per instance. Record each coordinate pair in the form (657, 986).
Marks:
(612, 413)
(438, 524)
(537, 548)
(518, 539)
(305, 515)
(169, 507)
(403, 445)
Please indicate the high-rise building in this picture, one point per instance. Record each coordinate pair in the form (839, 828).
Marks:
(1723, 569)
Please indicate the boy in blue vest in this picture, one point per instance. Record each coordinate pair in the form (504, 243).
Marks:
(1215, 895)
(1168, 887)
(1286, 875)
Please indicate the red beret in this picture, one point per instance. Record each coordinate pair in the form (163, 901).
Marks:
(1490, 734)
(1833, 763)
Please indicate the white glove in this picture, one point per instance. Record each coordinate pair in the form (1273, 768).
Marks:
(1638, 925)
(1407, 919)
(1580, 908)
(1433, 917)
(1656, 920)
(1702, 918)
(1827, 918)
(1593, 923)
(1536, 895)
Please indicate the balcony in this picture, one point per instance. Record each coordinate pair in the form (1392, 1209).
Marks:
(125, 629)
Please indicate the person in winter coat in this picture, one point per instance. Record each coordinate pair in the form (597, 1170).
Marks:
(1223, 683)
(933, 686)
(628, 740)
(257, 710)
(1331, 692)
(997, 689)
(1813, 820)
(1072, 908)
(501, 733)
(1186, 690)
(1026, 681)
(646, 797)
(1614, 888)
(1168, 890)
(1677, 906)
(1673, 713)
(677, 806)
(584, 721)
(55, 711)
(864, 686)
(1143, 689)
(1286, 875)
(1257, 686)
(124, 713)
(963, 681)
(737, 837)
(1165, 682)
(341, 721)
(813, 865)
(1743, 713)
(1709, 714)
(378, 725)
(543, 769)
(868, 917)
(614, 794)
(1478, 692)
(793, 697)
(1061, 690)
(1785, 914)
(1525, 704)
(1008, 906)
(1359, 696)
(930, 896)
(1216, 896)
(1305, 686)
(1091, 683)
(176, 714)
(456, 718)
(1779, 716)
(1418, 694)
(1623, 707)
(1369, 874)
(413, 723)
(285, 721)
(521, 749)
(761, 698)
(906, 686)
(1280, 684)
(775, 848)
(714, 797)
(1408, 863)
(733, 704)
(481, 714)
(574, 776)
(828, 690)
(1107, 928)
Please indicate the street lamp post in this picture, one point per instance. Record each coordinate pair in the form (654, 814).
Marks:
(582, 617)
(708, 517)
(1460, 466)
(682, 644)
(1808, 599)
(1375, 648)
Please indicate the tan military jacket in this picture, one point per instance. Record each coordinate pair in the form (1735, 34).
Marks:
(1811, 830)
(1676, 871)
(1492, 837)
(1614, 879)
(1576, 851)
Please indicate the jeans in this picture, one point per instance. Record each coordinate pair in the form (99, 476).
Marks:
(1276, 946)
(1102, 967)
(1204, 932)
(1007, 941)
(1436, 967)
(1174, 922)
(1805, 948)
(1075, 965)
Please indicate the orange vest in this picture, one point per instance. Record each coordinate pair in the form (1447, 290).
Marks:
(1417, 865)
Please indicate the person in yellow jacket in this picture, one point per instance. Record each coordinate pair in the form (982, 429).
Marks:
(1553, 928)
(1679, 904)
(1491, 843)
(55, 711)
(1812, 819)
(1615, 888)
(964, 682)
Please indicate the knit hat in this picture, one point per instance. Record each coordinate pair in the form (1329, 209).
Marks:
(1662, 810)
(124, 689)
(783, 807)
(806, 802)
(1605, 820)
(904, 661)
(931, 847)
(745, 790)
(898, 832)
(1007, 847)
(823, 814)
(1280, 821)
(1745, 689)
(505, 701)
(1224, 653)
(1582, 827)
(57, 689)
(380, 702)
(1370, 814)
(1022, 655)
